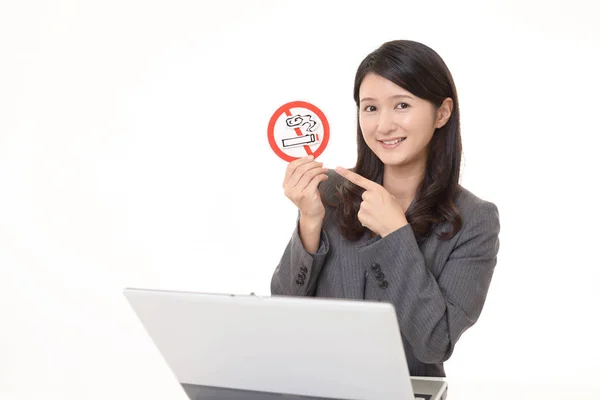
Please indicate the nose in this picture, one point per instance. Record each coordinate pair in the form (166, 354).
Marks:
(386, 123)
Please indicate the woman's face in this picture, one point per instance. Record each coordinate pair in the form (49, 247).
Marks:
(396, 124)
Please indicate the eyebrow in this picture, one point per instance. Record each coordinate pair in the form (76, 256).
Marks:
(391, 97)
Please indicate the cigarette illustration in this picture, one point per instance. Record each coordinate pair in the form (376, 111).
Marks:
(309, 139)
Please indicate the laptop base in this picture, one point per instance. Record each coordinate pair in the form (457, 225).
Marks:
(424, 388)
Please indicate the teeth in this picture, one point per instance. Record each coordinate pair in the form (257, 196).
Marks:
(394, 141)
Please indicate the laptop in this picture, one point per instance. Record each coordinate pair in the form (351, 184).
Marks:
(234, 346)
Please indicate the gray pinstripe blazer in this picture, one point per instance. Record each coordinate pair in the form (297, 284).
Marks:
(438, 288)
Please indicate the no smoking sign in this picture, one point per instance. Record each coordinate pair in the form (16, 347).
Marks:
(297, 129)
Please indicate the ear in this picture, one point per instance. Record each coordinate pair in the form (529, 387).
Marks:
(444, 112)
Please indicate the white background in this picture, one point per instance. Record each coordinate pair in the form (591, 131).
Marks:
(133, 152)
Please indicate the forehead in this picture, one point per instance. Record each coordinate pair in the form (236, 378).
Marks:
(376, 86)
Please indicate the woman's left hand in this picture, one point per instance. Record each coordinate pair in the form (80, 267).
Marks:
(379, 210)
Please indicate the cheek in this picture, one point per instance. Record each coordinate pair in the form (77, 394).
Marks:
(367, 126)
(420, 125)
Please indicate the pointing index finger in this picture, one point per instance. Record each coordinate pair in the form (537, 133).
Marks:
(357, 179)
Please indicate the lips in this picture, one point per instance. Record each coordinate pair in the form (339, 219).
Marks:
(392, 141)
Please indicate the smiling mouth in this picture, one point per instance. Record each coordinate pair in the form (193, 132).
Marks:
(392, 142)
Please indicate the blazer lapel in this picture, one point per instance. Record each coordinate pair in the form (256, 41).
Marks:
(352, 271)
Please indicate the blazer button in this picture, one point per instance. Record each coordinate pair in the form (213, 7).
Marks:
(303, 269)
(379, 276)
(375, 267)
(301, 275)
(299, 282)
(383, 285)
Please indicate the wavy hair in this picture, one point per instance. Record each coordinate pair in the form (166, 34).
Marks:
(421, 71)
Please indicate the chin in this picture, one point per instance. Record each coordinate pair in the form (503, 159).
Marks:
(392, 159)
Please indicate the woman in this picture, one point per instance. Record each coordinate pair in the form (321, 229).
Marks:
(397, 227)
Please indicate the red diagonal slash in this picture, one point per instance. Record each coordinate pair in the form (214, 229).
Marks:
(298, 132)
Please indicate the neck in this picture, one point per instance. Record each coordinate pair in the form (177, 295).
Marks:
(403, 182)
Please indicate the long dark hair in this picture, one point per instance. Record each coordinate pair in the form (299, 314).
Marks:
(421, 71)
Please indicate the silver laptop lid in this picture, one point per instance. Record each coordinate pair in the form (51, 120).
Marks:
(305, 346)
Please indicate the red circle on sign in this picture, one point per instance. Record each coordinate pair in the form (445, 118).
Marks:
(285, 109)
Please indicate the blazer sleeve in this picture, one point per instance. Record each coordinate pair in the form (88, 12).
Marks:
(433, 314)
(298, 269)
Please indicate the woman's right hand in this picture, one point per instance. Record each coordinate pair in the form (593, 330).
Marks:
(302, 178)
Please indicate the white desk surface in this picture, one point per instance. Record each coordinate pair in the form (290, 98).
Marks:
(458, 389)
(535, 389)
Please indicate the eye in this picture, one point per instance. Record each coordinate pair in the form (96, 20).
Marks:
(370, 108)
(403, 105)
